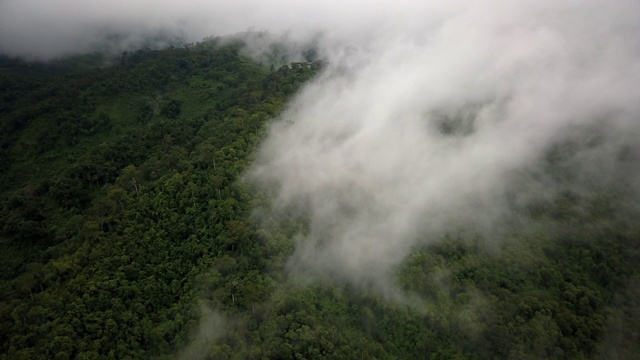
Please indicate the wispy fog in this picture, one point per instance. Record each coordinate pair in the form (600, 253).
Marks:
(438, 118)
(48, 29)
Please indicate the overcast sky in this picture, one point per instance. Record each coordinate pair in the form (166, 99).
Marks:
(362, 153)
(45, 29)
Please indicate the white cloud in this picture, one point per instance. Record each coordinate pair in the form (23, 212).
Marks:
(365, 157)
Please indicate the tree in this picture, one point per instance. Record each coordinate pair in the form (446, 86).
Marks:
(171, 109)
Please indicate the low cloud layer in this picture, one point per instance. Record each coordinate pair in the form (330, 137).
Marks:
(45, 30)
(441, 121)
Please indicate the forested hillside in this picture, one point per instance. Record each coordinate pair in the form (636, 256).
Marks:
(119, 187)
(127, 231)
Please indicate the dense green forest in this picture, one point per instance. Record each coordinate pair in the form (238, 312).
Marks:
(126, 232)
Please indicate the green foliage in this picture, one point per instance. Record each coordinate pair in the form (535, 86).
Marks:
(122, 216)
(119, 189)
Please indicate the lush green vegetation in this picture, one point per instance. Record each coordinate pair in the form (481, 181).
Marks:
(124, 225)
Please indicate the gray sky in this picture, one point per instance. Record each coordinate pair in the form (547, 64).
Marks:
(46, 29)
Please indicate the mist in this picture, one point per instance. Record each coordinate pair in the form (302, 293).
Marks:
(428, 117)
(441, 122)
(39, 30)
